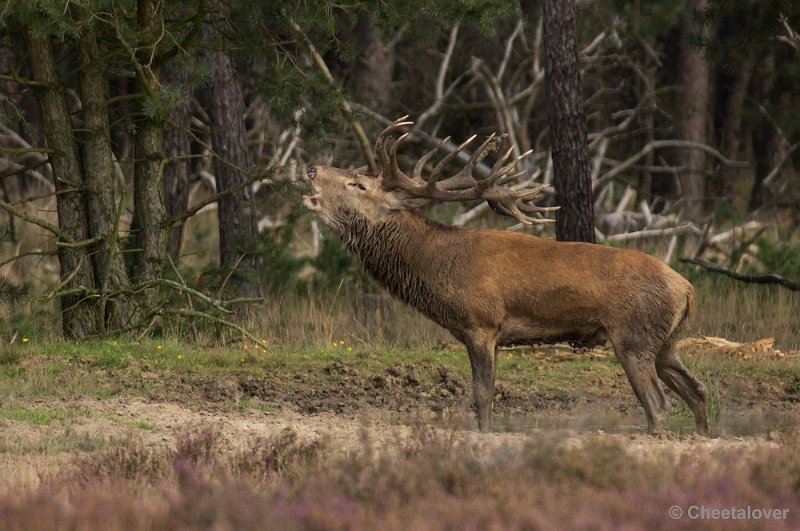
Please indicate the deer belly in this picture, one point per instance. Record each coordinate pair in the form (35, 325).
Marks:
(516, 332)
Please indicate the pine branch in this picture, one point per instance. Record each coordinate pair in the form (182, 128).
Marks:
(37, 221)
(363, 142)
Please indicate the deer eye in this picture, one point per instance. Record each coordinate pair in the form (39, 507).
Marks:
(353, 184)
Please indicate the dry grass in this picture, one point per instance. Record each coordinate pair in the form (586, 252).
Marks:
(726, 308)
(746, 312)
(372, 320)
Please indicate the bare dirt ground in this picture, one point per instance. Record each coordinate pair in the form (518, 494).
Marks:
(349, 408)
(117, 420)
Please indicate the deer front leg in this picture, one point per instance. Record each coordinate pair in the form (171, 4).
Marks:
(482, 357)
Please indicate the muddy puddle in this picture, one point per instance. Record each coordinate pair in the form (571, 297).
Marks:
(738, 424)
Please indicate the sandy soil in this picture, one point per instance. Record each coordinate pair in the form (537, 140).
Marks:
(122, 417)
(349, 408)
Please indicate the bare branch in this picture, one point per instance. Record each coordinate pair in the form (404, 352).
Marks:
(660, 144)
(448, 54)
(777, 169)
(770, 278)
(649, 233)
(792, 38)
(213, 199)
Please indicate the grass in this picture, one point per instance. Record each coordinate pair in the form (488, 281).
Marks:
(742, 312)
(397, 381)
(42, 416)
(107, 368)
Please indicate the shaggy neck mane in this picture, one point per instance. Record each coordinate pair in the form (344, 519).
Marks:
(386, 250)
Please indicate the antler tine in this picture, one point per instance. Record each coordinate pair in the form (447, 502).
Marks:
(391, 175)
(462, 186)
(442, 163)
(516, 203)
(508, 167)
(395, 169)
(464, 177)
(519, 209)
(502, 160)
(383, 138)
(505, 179)
(528, 220)
(417, 174)
(397, 142)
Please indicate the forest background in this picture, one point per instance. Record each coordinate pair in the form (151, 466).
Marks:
(151, 152)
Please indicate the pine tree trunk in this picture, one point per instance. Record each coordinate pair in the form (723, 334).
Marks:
(77, 314)
(148, 231)
(694, 78)
(575, 219)
(177, 169)
(372, 75)
(222, 97)
(109, 265)
(731, 130)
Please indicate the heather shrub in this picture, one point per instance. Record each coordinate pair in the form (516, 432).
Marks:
(436, 479)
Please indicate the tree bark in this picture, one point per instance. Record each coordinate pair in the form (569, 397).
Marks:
(222, 97)
(372, 75)
(568, 141)
(109, 265)
(731, 132)
(177, 170)
(695, 79)
(148, 230)
(77, 314)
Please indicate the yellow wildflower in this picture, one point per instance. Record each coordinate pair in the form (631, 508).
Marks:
(349, 348)
(159, 347)
(180, 356)
(25, 339)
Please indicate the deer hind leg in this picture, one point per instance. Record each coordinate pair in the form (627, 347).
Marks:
(482, 357)
(639, 362)
(673, 373)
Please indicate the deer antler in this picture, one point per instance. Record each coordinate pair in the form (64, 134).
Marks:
(462, 186)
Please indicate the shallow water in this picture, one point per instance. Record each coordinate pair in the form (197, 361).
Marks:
(736, 424)
(740, 424)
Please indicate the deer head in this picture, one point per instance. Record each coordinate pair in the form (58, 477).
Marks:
(338, 191)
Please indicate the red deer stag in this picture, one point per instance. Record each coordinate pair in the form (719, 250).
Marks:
(494, 288)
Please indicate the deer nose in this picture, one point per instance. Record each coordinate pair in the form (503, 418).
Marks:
(311, 171)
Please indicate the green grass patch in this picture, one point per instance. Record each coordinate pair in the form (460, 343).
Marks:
(104, 369)
(43, 416)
